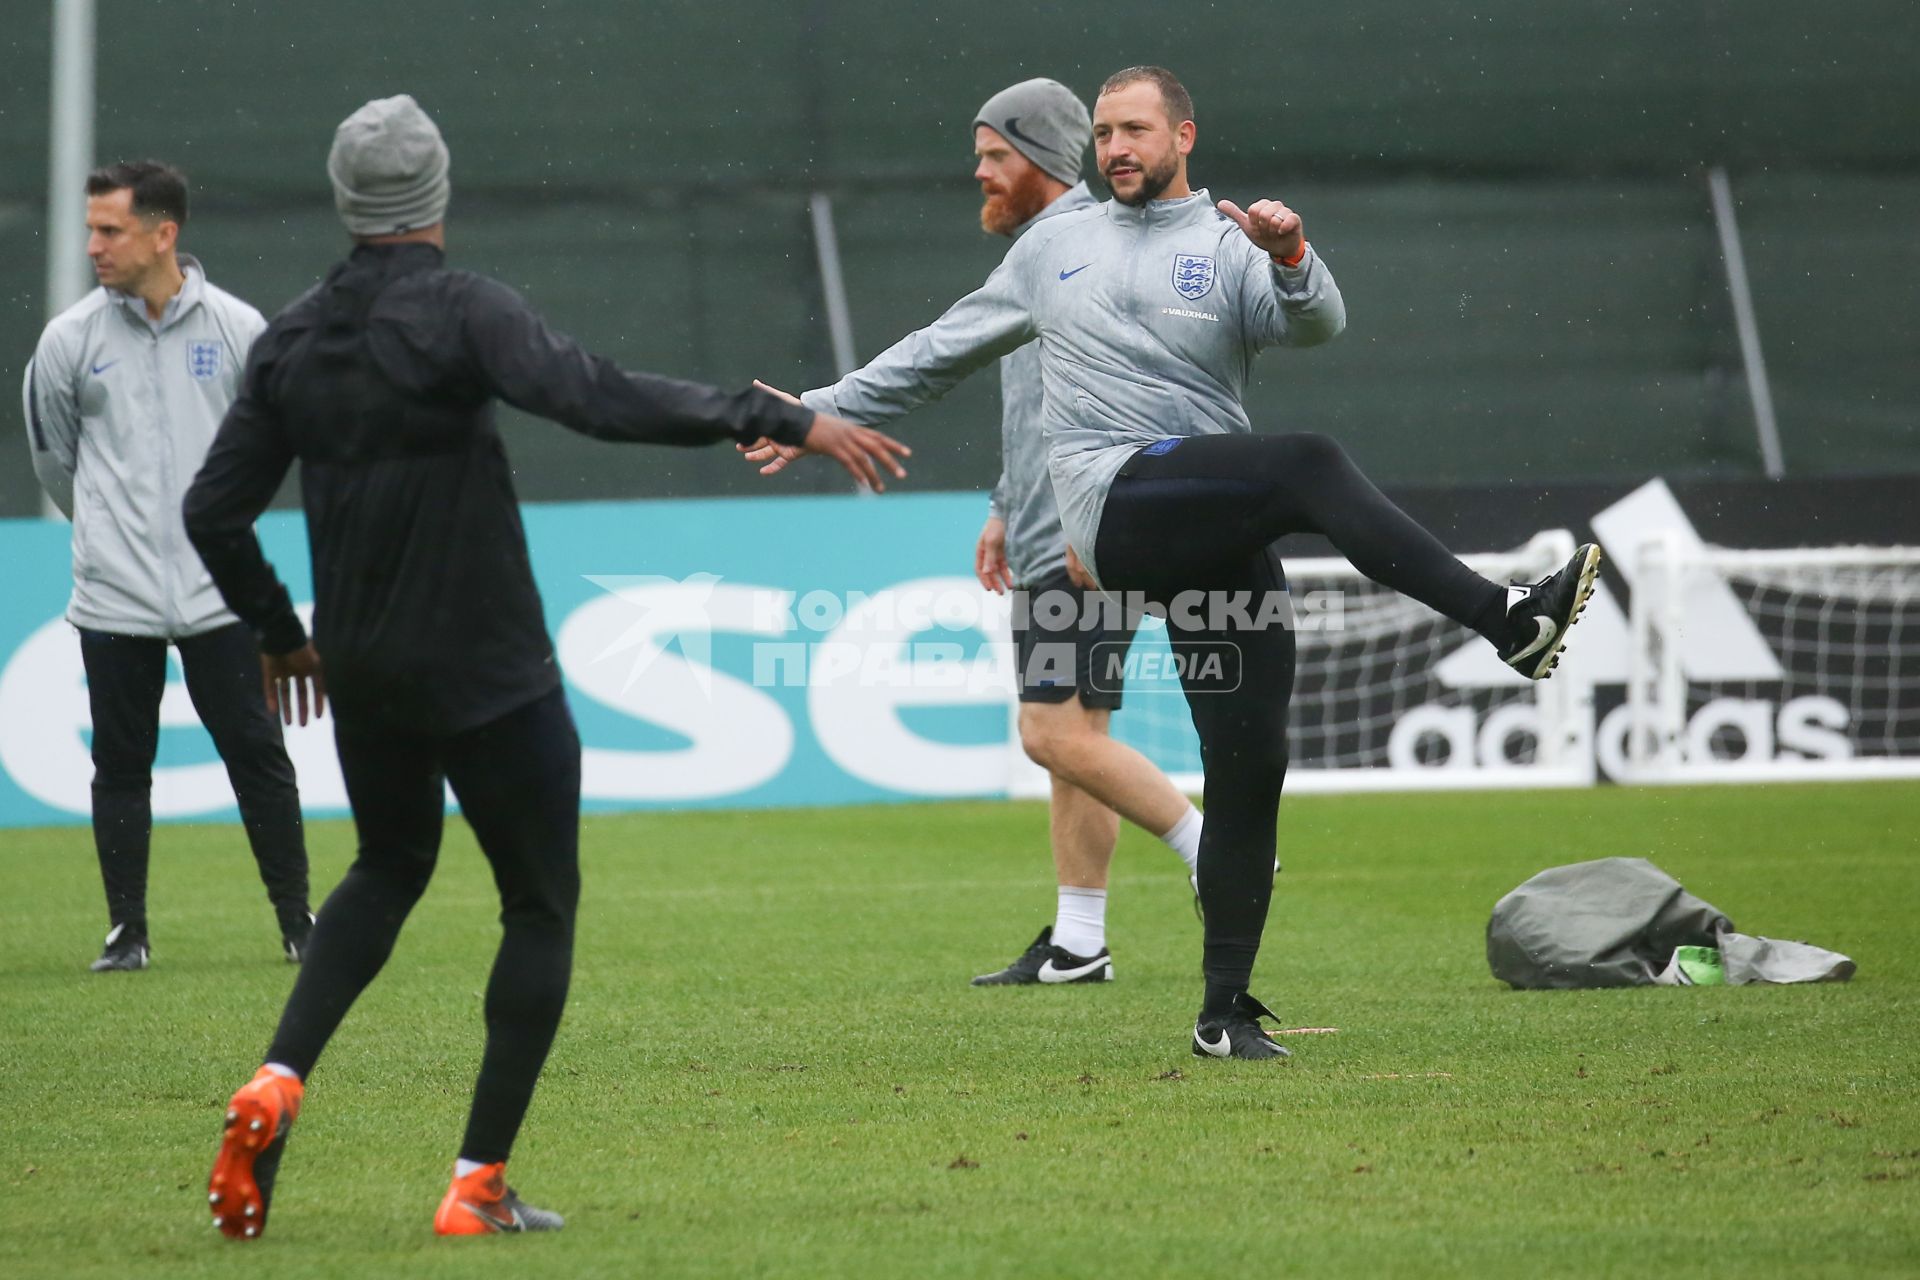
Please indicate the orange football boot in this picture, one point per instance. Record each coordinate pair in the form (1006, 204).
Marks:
(482, 1204)
(258, 1119)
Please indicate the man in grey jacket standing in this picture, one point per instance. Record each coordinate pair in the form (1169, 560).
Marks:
(123, 396)
(1030, 140)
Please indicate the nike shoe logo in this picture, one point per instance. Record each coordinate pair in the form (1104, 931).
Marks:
(102, 368)
(1221, 1049)
(1064, 275)
(1541, 641)
(1050, 972)
(511, 1222)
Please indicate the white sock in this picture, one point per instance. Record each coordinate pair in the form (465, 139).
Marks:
(282, 1069)
(1184, 838)
(1081, 923)
(463, 1167)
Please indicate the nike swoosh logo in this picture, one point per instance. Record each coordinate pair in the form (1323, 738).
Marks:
(1068, 275)
(102, 368)
(1013, 130)
(509, 1223)
(1222, 1049)
(1049, 972)
(1541, 641)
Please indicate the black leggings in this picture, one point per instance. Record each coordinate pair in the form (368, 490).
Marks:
(1201, 517)
(518, 782)
(126, 676)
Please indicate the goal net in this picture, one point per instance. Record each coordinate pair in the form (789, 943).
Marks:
(1774, 665)
(1387, 694)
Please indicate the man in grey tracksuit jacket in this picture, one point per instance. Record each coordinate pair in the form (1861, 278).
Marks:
(1148, 311)
(123, 395)
(1130, 350)
(1030, 140)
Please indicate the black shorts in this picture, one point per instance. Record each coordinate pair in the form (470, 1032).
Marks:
(1056, 628)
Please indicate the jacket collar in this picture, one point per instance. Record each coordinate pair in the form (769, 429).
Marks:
(1186, 211)
(1074, 197)
(192, 290)
(412, 255)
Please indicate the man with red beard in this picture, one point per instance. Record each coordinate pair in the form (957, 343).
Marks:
(1030, 140)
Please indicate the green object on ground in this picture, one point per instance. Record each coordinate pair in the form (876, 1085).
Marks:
(1700, 965)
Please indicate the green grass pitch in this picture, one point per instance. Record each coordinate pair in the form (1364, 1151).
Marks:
(772, 1063)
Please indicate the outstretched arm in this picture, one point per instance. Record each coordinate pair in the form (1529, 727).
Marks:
(926, 364)
(1290, 298)
(923, 366)
(519, 358)
(529, 365)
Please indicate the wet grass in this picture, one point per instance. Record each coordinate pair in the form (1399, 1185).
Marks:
(772, 1064)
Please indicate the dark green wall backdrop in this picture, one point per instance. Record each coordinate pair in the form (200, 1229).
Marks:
(1512, 194)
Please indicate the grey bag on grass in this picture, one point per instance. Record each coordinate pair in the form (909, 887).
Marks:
(1613, 922)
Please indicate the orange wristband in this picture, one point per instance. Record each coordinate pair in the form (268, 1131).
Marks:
(1294, 261)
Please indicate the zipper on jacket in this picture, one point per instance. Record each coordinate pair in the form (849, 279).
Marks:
(169, 501)
(1133, 271)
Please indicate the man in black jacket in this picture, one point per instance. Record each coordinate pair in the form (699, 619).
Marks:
(436, 656)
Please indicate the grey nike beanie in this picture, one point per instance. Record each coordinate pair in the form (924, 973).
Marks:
(1044, 122)
(389, 169)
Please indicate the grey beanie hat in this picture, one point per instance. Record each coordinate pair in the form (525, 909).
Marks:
(389, 168)
(1044, 122)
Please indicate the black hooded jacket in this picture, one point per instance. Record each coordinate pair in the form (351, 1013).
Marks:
(381, 382)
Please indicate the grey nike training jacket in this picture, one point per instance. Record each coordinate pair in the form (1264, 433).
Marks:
(1148, 320)
(1023, 498)
(120, 412)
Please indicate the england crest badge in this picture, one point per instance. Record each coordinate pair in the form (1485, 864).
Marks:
(1192, 276)
(203, 360)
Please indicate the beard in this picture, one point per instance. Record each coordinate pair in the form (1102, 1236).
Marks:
(1005, 212)
(1153, 180)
